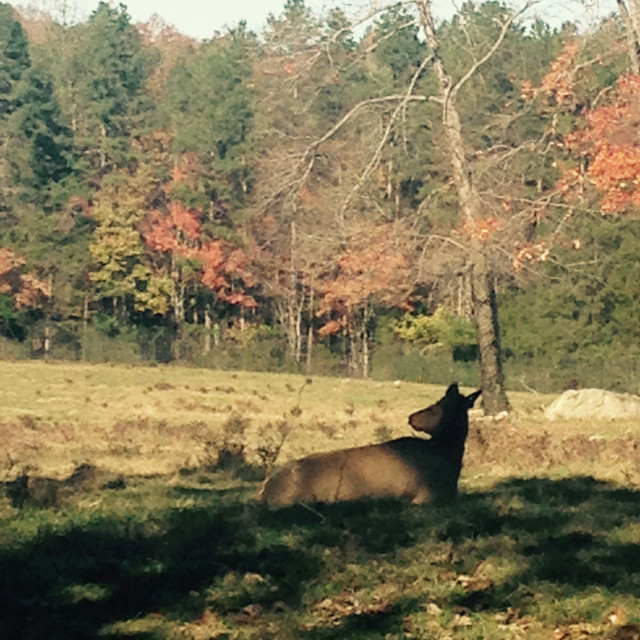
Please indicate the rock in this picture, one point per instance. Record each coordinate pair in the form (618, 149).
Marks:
(593, 403)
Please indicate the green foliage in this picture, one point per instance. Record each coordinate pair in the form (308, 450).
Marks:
(117, 249)
(294, 30)
(490, 102)
(399, 52)
(577, 319)
(108, 95)
(37, 119)
(442, 327)
(91, 128)
(209, 104)
(14, 57)
(10, 324)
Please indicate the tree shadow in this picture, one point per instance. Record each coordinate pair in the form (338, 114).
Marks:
(130, 573)
(570, 533)
(573, 533)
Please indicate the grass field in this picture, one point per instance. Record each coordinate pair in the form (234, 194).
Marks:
(164, 538)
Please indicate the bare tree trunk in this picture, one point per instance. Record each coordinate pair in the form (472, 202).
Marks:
(309, 332)
(485, 316)
(207, 331)
(47, 323)
(358, 356)
(365, 344)
(47, 339)
(291, 328)
(293, 322)
(485, 311)
(352, 366)
(631, 18)
(298, 329)
(177, 301)
(103, 155)
(85, 328)
(290, 313)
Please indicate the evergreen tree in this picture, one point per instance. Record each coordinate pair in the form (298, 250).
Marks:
(14, 56)
(109, 104)
(398, 50)
(209, 104)
(294, 31)
(14, 60)
(40, 219)
(49, 144)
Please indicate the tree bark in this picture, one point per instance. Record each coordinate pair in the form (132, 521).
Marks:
(310, 333)
(85, 328)
(485, 317)
(294, 304)
(365, 345)
(178, 299)
(631, 18)
(485, 310)
(207, 331)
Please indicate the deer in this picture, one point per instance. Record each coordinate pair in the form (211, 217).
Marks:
(412, 468)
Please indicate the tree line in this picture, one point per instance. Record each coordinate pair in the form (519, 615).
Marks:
(324, 195)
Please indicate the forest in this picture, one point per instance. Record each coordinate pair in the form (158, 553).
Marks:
(396, 198)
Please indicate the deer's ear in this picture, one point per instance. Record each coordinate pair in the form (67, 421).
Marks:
(472, 397)
(452, 391)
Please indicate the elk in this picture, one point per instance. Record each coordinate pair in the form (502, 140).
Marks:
(412, 468)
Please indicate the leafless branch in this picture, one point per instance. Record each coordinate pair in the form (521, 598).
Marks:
(503, 32)
(375, 158)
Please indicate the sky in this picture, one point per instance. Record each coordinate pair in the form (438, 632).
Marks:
(196, 18)
(201, 18)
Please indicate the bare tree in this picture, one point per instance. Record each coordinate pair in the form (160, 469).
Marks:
(318, 159)
(485, 311)
(630, 13)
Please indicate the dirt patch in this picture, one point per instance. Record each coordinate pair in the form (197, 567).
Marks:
(593, 403)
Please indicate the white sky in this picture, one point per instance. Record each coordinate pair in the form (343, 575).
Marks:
(196, 18)
(201, 18)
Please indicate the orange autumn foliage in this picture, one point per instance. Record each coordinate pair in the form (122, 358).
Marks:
(372, 269)
(27, 291)
(480, 229)
(559, 80)
(179, 233)
(530, 252)
(610, 140)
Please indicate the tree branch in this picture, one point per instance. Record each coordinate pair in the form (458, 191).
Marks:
(375, 159)
(503, 32)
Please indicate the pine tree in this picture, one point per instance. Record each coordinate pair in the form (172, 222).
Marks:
(209, 105)
(14, 56)
(37, 119)
(109, 103)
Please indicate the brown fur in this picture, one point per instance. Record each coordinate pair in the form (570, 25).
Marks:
(412, 468)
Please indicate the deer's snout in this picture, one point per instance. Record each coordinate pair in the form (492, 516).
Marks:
(427, 419)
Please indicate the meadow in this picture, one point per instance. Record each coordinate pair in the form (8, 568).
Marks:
(163, 538)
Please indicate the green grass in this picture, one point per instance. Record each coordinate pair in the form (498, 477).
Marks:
(544, 541)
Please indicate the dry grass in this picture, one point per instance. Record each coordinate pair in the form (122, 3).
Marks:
(146, 420)
(158, 419)
(539, 545)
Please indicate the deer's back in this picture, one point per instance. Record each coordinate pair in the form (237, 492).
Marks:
(411, 468)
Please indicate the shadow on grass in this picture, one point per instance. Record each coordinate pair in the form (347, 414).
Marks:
(71, 583)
